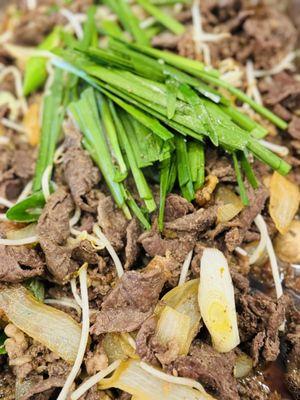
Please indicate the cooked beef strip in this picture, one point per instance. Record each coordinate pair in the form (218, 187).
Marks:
(177, 207)
(241, 224)
(132, 248)
(144, 338)
(253, 388)
(112, 221)
(133, 299)
(53, 231)
(79, 172)
(259, 319)
(18, 263)
(16, 168)
(214, 370)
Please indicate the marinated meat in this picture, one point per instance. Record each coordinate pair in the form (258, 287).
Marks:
(18, 263)
(79, 172)
(112, 221)
(214, 370)
(53, 231)
(132, 248)
(133, 299)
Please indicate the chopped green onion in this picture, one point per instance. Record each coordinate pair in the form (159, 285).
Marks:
(239, 178)
(248, 171)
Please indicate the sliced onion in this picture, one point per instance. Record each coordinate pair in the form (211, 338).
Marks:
(287, 246)
(284, 201)
(53, 328)
(117, 348)
(174, 328)
(216, 300)
(27, 231)
(243, 366)
(230, 204)
(133, 378)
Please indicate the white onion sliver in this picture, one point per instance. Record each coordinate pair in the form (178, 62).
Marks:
(110, 249)
(13, 125)
(252, 85)
(73, 20)
(94, 380)
(76, 217)
(185, 268)
(25, 192)
(84, 334)
(45, 181)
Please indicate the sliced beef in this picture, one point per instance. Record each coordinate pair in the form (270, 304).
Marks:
(38, 386)
(133, 248)
(241, 224)
(259, 319)
(16, 168)
(144, 346)
(253, 388)
(177, 207)
(53, 231)
(79, 171)
(294, 128)
(133, 299)
(112, 221)
(18, 263)
(214, 370)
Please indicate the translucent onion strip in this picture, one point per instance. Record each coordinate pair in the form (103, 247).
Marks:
(74, 23)
(147, 383)
(280, 150)
(74, 292)
(216, 300)
(45, 181)
(53, 328)
(84, 334)
(89, 383)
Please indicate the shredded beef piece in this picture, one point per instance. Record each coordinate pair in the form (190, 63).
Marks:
(112, 221)
(259, 318)
(214, 370)
(177, 207)
(143, 341)
(165, 40)
(33, 27)
(220, 167)
(18, 263)
(85, 252)
(79, 172)
(53, 231)
(16, 168)
(38, 385)
(132, 249)
(96, 360)
(292, 376)
(133, 299)
(241, 224)
(7, 381)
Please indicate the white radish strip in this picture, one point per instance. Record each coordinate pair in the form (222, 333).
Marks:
(76, 217)
(75, 293)
(94, 380)
(65, 302)
(281, 150)
(110, 249)
(19, 242)
(6, 203)
(262, 226)
(13, 125)
(170, 378)
(45, 181)
(18, 84)
(25, 192)
(84, 334)
(185, 268)
(71, 17)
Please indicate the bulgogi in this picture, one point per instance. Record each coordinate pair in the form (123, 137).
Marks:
(149, 194)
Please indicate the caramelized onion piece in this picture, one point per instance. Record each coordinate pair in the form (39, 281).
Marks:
(53, 328)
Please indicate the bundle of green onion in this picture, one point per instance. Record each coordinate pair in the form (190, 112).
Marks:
(143, 110)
